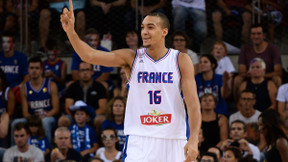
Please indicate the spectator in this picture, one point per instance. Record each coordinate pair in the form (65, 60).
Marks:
(232, 155)
(232, 10)
(248, 114)
(63, 150)
(217, 151)
(121, 88)
(86, 89)
(237, 135)
(4, 126)
(271, 126)
(12, 62)
(83, 137)
(22, 151)
(194, 11)
(214, 126)
(109, 152)
(282, 98)
(259, 48)
(219, 52)
(115, 119)
(39, 97)
(95, 159)
(55, 68)
(264, 89)
(180, 41)
(133, 40)
(149, 6)
(209, 157)
(209, 82)
(101, 73)
(108, 17)
(51, 15)
(37, 134)
(7, 96)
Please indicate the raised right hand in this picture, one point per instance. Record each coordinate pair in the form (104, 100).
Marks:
(67, 19)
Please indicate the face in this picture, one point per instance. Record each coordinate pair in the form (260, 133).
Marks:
(151, 31)
(52, 55)
(85, 72)
(109, 138)
(33, 130)
(261, 126)
(218, 51)
(132, 39)
(208, 103)
(205, 65)
(237, 131)
(229, 156)
(207, 159)
(256, 70)
(7, 44)
(80, 117)
(21, 138)
(62, 139)
(257, 36)
(118, 107)
(179, 42)
(93, 40)
(247, 102)
(35, 70)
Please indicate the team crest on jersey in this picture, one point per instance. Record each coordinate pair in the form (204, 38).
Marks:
(15, 62)
(30, 92)
(45, 90)
(156, 118)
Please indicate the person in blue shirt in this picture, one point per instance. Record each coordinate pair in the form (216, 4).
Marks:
(12, 62)
(83, 136)
(115, 119)
(209, 82)
(101, 73)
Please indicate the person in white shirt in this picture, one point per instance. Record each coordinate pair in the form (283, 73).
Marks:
(282, 98)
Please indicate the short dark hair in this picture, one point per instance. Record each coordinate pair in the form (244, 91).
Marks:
(92, 31)
(240, 121)
(237, 153)
(35, 59)
(211, 154)
(21, 125)
(220, 151)
(84, 62)
(248, 91)
(259, 26)
(165, 20)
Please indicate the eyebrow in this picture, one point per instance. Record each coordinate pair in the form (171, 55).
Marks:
(150, 24)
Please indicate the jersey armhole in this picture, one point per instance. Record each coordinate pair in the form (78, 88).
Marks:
(177, 65)
(132, 68)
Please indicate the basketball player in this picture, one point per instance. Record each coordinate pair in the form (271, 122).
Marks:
(155, 113)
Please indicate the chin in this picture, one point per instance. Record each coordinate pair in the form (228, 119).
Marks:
(147, 45)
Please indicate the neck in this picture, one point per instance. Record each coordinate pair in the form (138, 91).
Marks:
(184, 50)
(53, 61)
(259, 48)
(24, 148)
(118, 119)
(81, 124)
(133, 47)
(9, 54)
(208, 75)
(257, 80)
(157, 53)
(86, 84)
(37, 82)
(64, 151)
(248, 114)
(110, 149)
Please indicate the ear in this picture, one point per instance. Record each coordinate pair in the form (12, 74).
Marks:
(165, 31)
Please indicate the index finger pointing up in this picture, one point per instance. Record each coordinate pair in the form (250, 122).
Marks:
(71, 7)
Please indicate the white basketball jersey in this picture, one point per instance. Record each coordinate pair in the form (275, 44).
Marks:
(155, 107)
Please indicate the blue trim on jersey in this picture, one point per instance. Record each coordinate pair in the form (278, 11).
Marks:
(125, 149)
(177, 64)
(132, 68)
(162, 58)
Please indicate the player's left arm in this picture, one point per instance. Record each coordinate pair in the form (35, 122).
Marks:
(54, 100)
(193, 106)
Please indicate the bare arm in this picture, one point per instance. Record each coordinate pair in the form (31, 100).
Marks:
(281, 107)
(9, 6)
(33, 6)
(54, 100)
(225, 90)
(91, 150)
(102, 106)
(277, 71)
(223, 125)
(68, 102)
(282, 147)
(193, 106)
(4, 125)
(24, 103)
(223, 6)
(116, 58)
(103, 77)
(62, 79)
(272, 94)
(11, 102)
(242, 70)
